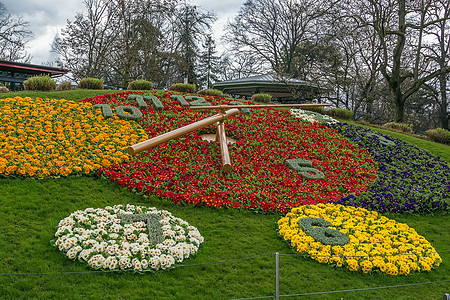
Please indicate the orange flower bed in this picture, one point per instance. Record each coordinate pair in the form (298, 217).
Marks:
(49, 137)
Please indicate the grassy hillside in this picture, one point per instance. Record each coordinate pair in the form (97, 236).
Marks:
(237, 259)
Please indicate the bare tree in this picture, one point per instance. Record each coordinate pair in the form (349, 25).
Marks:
(14, 35)
(85, 43)
(438, 53)
(118, 40)
(400, 29)
(273, 30)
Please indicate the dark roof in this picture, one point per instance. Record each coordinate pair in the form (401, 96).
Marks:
(29, 68)
(266, 78)
(267, 83)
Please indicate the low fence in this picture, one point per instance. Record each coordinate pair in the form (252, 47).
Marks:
(276, 294)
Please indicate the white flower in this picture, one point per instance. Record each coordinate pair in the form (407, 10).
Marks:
(72, 253)
(144, 264)
(110, 262)
(97, 237)
(84, 254)
(124, 262)
(136, 265)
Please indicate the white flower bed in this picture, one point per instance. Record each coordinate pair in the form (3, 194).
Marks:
(311, 116)
(127, 237)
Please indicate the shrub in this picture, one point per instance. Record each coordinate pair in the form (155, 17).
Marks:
(210, 92)
(64, 86)
(439, 135)
(405, 128)
(39, 83)
(4, 89)
(183, 87)
(91, 84)
(263, 98)
(340, 113)
(140, 85)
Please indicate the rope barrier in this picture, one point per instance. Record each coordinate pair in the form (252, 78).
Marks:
(240, 259)
(199, 264)
(351, 290)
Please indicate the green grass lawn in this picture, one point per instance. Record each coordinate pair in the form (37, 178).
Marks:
(75, 95)
(30, 210)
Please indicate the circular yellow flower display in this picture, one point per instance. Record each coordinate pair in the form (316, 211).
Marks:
(52, 137)
(375, 243)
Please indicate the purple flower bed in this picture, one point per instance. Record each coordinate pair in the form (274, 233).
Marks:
(410, 180)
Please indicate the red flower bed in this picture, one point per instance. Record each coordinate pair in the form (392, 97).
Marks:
(188, 169)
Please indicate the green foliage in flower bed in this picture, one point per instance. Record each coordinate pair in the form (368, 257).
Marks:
(140, 85)
(183, 87)
(128, 112)
(91, 83)
(139, 100)
(180, 99)
(197, 101)
(155, 232)
(317, 228)
(155, 102)
(106, 110)
(39, 83)
(303, 167)
(439, 135)
(262, 98)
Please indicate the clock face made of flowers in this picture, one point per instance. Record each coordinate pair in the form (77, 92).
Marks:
(278, 161)
(357, 239)
(127, 237)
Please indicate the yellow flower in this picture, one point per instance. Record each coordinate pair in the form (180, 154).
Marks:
(375, 242)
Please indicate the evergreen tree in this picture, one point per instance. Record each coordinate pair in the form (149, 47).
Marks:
(208, 63)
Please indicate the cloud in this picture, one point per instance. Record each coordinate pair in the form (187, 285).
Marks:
(48, 17)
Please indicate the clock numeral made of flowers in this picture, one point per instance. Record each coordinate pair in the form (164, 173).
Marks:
(134, 113)
(321, 233)
(303, 167)
(154, 230)
(381, 139)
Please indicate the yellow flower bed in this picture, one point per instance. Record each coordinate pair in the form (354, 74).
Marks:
(376, 242)
(43, 138)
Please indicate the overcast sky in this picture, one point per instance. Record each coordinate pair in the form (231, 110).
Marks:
(48, 17)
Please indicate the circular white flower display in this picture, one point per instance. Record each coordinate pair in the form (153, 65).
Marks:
(127, 237)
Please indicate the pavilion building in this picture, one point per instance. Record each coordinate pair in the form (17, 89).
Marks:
(282, 90)
(13, 74)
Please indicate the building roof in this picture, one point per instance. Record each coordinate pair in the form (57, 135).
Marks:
(267, 83)
(29, 68)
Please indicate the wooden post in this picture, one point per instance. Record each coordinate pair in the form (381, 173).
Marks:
(226, 162)
(180, 131)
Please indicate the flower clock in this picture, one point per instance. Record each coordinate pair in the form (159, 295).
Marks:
(358, 239)
(49, 137)
(266, 175)
(127, 238)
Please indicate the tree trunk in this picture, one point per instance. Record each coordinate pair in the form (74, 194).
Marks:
(399, 109)
(444, 103)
